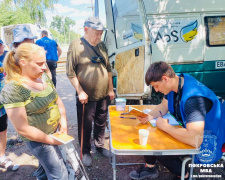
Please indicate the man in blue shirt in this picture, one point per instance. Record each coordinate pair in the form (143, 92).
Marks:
(4, 161)
(53, 53)
(196, 107)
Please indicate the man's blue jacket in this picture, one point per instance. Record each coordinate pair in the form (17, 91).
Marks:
(214, 131)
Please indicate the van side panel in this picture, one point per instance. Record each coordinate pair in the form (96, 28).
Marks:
(130, 67)
(183, 6)
(176, 38)
(187, 34)
(207, 74)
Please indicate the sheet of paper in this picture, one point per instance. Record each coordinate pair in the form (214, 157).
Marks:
(146, 111)
(172, 120)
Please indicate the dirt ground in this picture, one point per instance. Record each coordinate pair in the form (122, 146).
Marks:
(101, 168)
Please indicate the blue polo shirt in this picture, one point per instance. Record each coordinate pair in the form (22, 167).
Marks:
(50, 46)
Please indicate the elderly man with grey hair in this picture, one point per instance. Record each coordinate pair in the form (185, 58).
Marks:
(89, 71)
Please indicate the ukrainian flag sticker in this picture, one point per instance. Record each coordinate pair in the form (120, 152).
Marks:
(189, 32)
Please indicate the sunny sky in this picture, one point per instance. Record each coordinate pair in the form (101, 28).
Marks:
(77, 10)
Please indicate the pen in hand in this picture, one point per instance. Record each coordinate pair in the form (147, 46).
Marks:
(161, 113)
(162, 116)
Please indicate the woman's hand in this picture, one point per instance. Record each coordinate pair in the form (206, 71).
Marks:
(63, 119)
(56, 142)
(62, 127)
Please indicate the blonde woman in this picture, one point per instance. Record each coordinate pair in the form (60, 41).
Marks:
(34, 108)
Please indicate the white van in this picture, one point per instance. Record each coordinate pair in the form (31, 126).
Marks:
(188, 34)
(7, 33)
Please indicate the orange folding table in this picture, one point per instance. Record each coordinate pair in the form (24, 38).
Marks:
(124, 139)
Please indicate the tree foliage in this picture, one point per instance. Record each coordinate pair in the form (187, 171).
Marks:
(57, 23)
(35, 8)
(9, 15)
(60, 38)
(68, 23)
(60, 29)
(32, 11)
(73, 35)
(62, 26)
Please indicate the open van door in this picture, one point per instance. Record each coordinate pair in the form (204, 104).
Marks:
(188, 34)
(125, 39)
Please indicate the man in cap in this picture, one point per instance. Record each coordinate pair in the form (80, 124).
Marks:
(89, 71)
(4, 161)
(53, 53)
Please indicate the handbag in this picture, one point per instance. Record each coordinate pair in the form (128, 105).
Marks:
(76, 170)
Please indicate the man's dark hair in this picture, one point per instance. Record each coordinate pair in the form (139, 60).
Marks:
(45, 33)
(157, 70)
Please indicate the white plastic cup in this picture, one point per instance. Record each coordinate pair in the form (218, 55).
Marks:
(143, 136)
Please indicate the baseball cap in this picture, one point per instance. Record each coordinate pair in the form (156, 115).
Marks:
(1, 42)
(94, 23)
(22, 32)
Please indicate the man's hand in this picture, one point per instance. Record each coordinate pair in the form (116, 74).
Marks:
(161, 123)
(83, 97)
(111, 95)
(145, 120)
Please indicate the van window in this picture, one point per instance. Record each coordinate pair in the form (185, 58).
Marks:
(128, 28)
(215, 27)
(102, 15)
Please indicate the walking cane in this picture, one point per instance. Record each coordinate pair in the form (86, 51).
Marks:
(82, 133)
